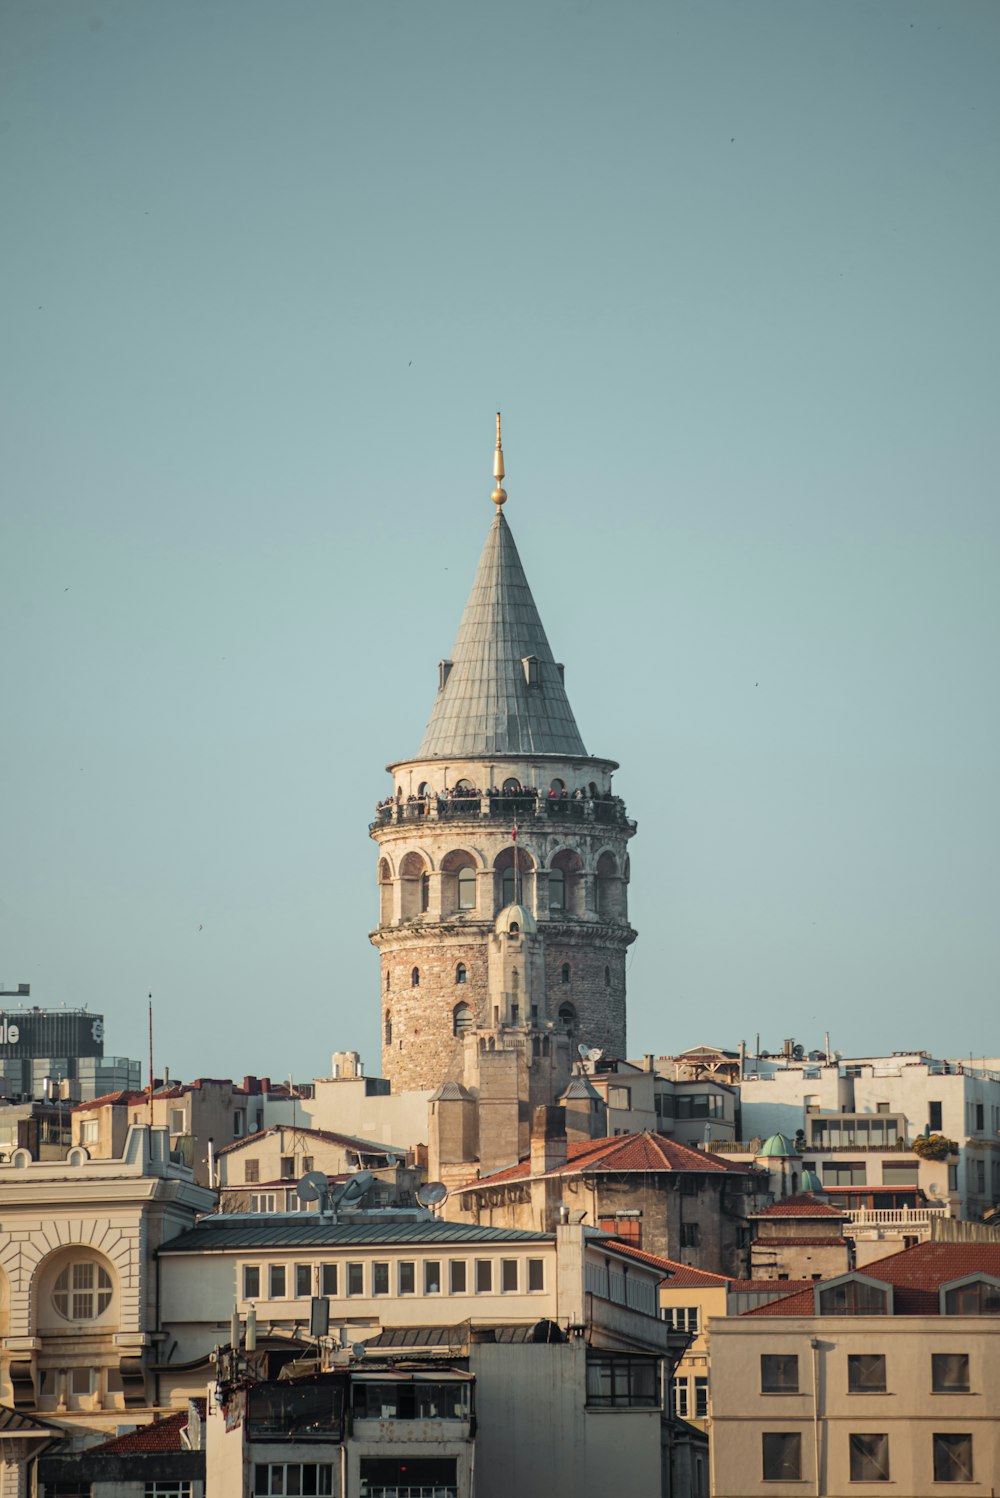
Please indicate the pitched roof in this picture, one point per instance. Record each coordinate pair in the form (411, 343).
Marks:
(779, 1287)
(803, 1205)
(486, 705)
(687, 1277)
(361, 1146)
(798, 1242)
(261, 1230)
(641, 1256)
(644, 1154)
(14, 1423)
(160, 1435)
(917, 1274)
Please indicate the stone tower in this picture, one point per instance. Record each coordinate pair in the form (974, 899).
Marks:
(502, 870)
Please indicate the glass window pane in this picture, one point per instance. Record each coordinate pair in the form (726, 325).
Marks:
(950, 1372)
(869, 1458)
(782, 1454)
(866, 1373)
(953, 1458)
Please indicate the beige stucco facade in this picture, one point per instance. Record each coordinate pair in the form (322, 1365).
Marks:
(824, 1413)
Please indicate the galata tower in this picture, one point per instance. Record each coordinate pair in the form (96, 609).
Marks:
(503, 868)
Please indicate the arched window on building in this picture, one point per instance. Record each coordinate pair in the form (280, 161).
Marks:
(564, 973)
(566, 882)
(458, 881)
(508, 890)
(384, 892)
(414, 886)
(387, 1028)
(512, 786)
(567, 1018)
(461, 973)
(425, 892)
(82, 1291)
(557, 889)
(388, 980)
(607, 977)
(462, 1019)
(609, 889)
(415, 978)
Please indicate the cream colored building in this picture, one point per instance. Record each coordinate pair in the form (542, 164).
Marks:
(874, 1382)
(261, 1173)
(78, 1290)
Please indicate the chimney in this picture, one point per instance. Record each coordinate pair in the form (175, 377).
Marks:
(548, 1139)
(650, 1062)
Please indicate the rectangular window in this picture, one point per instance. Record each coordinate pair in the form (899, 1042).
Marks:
(683, 1318)
(251, 1172)
(508, 1276)
(307, 1164)
(288, 1167)
(251, 1281)
(177, 1120)
(952, 1177)
(616, 1379)
(407, 1278)
(306, 1478)
(934, 1117)
(536, 1274)
(881, 1107)
(276, 1281)
(701, 1399)
(457, 1276)
(779, 1373)
(80, 1380)
(979, 1166)
(303, 1279)
(869, 1457)
(355, 1279)
(88, 1132)
(950, 1372)
(844, 1173)
(690, 1235)
(681, 1405)
(328, 1279)
(620, 1097)
(238, 1125)
(380, 1277)
(865, 1373)
(484, 1276)
(900, 1173)
(782, 1456)
(179, 1489)
(980, 1118)
(690, 1183)
(952, 1458)
(432, 1277)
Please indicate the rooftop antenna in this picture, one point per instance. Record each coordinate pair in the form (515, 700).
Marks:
(431, 1193)
(151, 1064)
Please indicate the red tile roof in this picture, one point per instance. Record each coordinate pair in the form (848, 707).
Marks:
(687, 1277)
(917, 1274)
(803, 1205)
(796, 1242)
(640, 1255)
(643, 1154)
(161, 1435)
(780, 1287)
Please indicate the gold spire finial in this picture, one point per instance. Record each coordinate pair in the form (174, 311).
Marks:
(499, 495)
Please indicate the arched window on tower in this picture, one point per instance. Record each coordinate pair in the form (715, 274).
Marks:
(388, 980)
(509, 887)
(414, 884)
(461, 973)
(387, 1028)
(609, 889)
(467, 889)
(564, 973)
(607, 977)
(415, 978)
(462, 1019)
(567, 1018)
(557, 889)
(425, 891)
(384, 892)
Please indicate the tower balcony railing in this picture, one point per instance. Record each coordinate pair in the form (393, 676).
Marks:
(529, 806)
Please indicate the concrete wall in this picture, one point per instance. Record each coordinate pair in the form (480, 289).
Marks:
(537, 1438)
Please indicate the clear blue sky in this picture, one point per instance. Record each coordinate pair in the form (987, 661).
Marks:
(730, 271)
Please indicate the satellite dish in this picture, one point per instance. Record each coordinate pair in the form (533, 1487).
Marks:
(355, 1188)
(583, 1050)
(595, 1053)
(798, 1052)
(933, 1188)
(359, 1349)
(313, 1187)
(431, 1193)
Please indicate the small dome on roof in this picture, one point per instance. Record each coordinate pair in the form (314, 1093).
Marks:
(513, 919)
(811, 1182)
(778, 1146)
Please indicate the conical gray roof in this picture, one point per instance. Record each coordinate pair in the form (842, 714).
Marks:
(486, 705)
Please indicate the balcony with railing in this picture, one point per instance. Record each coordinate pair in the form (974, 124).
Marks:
(528, 806)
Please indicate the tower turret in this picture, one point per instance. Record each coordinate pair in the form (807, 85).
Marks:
(503, 867)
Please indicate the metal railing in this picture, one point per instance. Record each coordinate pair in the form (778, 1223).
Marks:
(539, 806)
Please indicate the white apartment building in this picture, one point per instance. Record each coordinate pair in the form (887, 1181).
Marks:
(960, 1100)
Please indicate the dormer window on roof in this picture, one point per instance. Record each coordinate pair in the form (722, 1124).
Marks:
(973, 1295)
(853, 1295)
